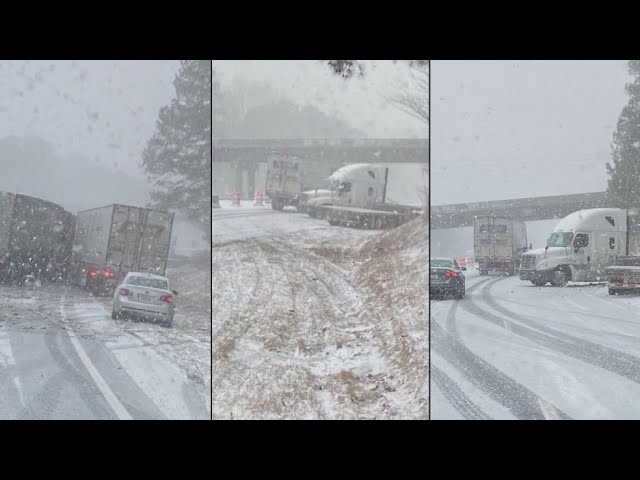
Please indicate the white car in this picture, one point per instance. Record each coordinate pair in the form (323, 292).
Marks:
(144, 295)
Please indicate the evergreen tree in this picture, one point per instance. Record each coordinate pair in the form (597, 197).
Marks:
(623, 188)
(177, 158)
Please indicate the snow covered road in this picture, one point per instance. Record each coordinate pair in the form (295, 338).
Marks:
(513, 350)
(63, 357)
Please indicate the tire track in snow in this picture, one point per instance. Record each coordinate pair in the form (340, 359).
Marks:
(456, 396)
(598, 355)
(523, 403)
(236, 326)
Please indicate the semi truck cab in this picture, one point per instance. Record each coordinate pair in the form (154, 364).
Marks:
(579, 249)
(359, 185)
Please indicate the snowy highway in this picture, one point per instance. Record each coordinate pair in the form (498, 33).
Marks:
(63, 357)
(298, 332)
(512, 350)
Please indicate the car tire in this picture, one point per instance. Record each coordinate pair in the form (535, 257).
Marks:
(115, 315)
(461, 293)
(612, 291)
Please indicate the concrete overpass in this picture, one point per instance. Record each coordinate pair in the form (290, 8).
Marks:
(523, 209)
(349, 150)
(238, 163)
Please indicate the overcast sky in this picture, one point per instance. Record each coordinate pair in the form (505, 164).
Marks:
(506, 129)
(105, 110)
(358, 101)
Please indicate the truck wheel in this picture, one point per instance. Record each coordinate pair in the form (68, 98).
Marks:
(612, 291)
(539, 283)
(560, 277)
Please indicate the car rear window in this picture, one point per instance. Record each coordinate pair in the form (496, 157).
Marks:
(148, 282)
(442, 263)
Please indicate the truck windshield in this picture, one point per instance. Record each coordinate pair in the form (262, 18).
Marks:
(560, 239)
(148, 282)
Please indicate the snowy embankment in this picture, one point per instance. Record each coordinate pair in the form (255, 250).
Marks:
(320, 322)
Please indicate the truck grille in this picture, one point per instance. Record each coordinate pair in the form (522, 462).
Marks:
(528, 262)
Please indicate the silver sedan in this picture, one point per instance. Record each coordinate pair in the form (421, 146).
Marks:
(144, 295)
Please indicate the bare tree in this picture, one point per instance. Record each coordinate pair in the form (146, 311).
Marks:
(414, 100)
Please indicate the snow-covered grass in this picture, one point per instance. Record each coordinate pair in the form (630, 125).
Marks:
(191, 277)
(322, 322)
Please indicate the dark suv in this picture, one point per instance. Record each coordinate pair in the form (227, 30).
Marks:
(446, 277)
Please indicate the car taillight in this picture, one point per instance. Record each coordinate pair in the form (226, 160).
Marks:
(107, 274)
(125, 292)
(93, 274)
(450, 274)
(508, 260)
(166, 298)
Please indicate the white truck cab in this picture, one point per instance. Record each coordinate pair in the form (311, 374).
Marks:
(579, 249)
(359, 185)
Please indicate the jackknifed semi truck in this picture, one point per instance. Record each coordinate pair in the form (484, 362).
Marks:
(35, 239)
(116, 239)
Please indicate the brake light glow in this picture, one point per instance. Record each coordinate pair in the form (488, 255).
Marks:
(450, 274)
(125, 292)
(108, 274)
(166, 298)
(508, 260)
(93, 273)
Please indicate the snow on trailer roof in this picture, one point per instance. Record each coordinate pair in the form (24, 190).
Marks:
(592, 218)
(123, 205)
(357, 168)
(48, 202)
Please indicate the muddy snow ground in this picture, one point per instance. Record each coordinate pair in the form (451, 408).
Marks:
(312, 321)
